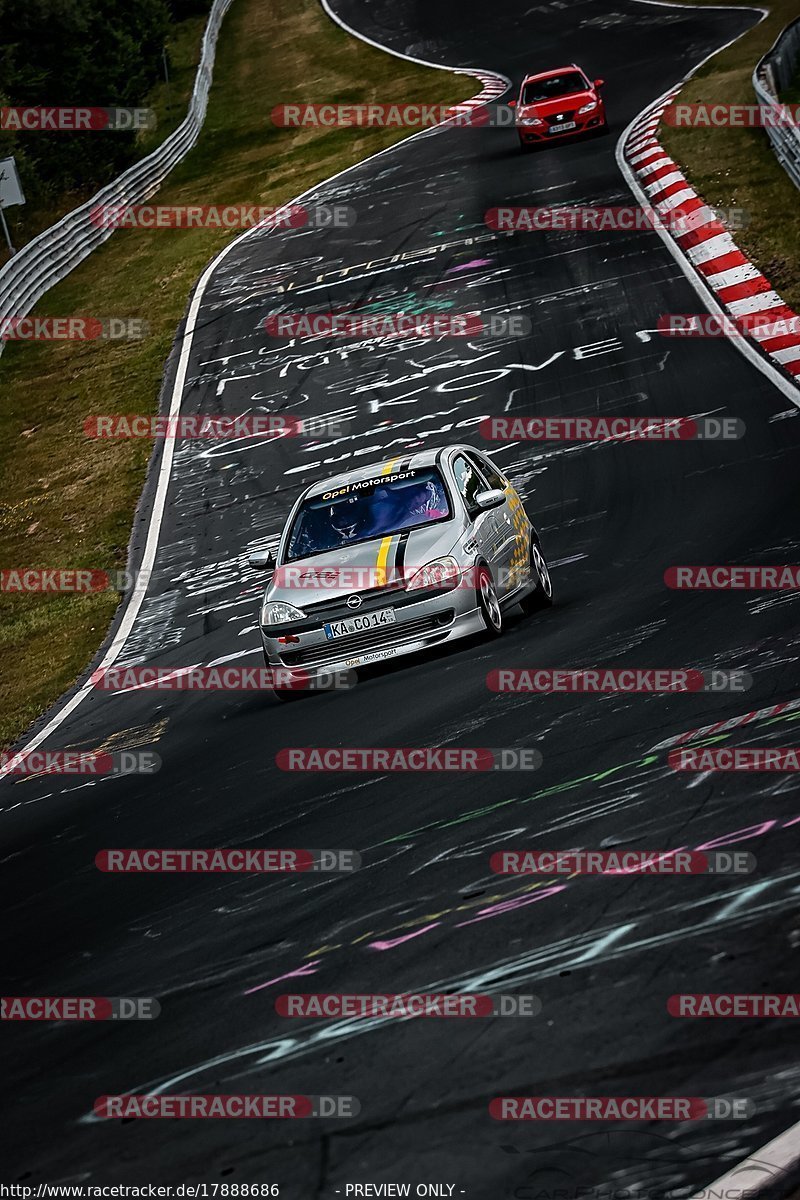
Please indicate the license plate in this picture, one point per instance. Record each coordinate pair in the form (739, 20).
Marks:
(373, 620)
(562, 127)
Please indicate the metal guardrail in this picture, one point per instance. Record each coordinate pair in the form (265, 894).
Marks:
(772, 75)
(51, 255)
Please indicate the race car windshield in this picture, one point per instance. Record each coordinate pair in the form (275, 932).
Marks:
(367, 509)
(553, 87)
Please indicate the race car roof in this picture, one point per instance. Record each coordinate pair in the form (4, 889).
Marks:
(552, 71)
(387, 466)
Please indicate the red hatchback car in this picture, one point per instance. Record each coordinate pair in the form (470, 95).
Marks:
(558, 104)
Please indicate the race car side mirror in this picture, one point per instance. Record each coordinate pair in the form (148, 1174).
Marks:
(512, 104)
(262, 560)
(598, 83)
(490, 499)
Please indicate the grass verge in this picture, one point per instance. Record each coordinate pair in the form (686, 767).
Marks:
(732, 167)
(69, 502)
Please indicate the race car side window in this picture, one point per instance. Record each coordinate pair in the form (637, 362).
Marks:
(469, 480)
(489, 471)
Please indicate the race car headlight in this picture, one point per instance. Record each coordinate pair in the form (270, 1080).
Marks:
(530, 121)
(437, 575)
(278, 612)
(588, 107)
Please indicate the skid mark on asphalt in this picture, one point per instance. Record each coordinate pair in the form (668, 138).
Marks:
(133, 738)
(641, 796)
(573, 953)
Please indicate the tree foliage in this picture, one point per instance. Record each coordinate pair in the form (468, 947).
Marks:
(91, 53)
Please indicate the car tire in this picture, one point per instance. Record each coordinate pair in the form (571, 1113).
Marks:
(286, 695)
(488, 602)
(542, 597)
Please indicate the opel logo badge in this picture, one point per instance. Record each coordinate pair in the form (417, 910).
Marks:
(354, 602)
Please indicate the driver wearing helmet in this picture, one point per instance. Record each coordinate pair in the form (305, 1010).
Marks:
(428, 502)
(383, 512)
(348, 517)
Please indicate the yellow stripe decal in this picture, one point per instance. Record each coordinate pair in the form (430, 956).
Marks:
(387, 470)
(383, 554)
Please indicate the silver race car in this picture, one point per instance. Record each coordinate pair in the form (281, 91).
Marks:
(397, 557)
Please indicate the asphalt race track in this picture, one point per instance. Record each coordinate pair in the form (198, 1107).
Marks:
(425, 913)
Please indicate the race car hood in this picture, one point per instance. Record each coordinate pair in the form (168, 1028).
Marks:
(356, 568)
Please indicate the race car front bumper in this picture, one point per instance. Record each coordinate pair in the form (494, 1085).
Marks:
(540, 135)
(430, 620)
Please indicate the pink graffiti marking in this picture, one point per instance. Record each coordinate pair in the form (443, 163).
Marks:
(497, 910)
(308, 969)
(392, 942)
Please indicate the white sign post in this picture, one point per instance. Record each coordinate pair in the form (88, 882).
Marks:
(10, 194)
